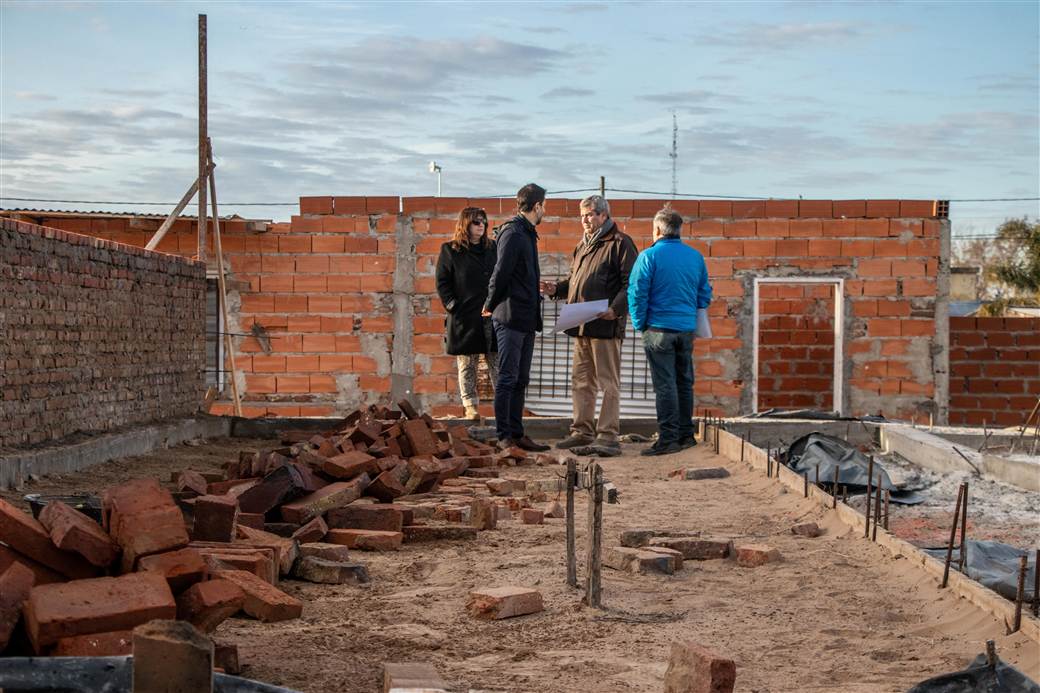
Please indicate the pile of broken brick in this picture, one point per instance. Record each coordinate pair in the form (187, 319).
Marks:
(219, 544)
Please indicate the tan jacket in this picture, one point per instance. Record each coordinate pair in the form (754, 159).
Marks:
(601, 271)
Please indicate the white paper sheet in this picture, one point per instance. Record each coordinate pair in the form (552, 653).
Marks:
(703, 326)
(574, 314)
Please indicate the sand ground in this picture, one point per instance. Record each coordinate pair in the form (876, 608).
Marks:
(836, 614)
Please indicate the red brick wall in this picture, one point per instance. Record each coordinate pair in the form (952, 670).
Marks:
(322, 286)
(994, 370)
(796, 346)
(95, 335)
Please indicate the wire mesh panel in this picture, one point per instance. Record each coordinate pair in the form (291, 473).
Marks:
(549, 393)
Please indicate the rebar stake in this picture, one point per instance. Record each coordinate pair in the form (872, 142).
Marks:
(964, 529)
(877, 508)
(870, 491)
(1023, 566)
(834, 488)
(953, 537)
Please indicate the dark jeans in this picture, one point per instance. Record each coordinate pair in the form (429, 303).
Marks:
(515, 349)
(670, 355)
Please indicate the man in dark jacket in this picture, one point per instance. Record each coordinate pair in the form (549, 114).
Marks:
(515, 305)
(600, 267)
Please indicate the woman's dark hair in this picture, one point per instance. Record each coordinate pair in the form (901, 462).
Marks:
(528, 196)
(466, 217)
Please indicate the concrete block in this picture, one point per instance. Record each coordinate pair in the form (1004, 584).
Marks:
(172, 657)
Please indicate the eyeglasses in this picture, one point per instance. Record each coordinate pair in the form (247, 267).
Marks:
(479, 222)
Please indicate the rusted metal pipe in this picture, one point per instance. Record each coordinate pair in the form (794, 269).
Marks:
(953, 537)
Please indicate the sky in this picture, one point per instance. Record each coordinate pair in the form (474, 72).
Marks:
(911, 100)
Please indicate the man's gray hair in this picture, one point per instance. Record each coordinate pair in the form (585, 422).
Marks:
(668, 223)
(597, 203)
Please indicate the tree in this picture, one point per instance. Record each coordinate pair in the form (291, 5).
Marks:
(1016, 274)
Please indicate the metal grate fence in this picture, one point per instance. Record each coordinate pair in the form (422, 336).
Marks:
(549, 393)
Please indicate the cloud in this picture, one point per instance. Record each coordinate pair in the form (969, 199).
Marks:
(584, 7)
(781, 37)
(567, 93)
(33, 96)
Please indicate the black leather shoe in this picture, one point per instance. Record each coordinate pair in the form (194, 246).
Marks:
(687, 442)
(658, 449)
(526, 443)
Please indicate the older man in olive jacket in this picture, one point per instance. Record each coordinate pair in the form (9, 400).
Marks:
(600, 266)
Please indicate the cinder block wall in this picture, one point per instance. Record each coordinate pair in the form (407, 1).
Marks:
(994, 370)
(346, 292)
(94, 335)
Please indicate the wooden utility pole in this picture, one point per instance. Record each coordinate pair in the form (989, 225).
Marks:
(203, 138)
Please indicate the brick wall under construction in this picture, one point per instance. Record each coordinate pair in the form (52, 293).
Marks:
(994, 370)
(345, 292)
(96, 335)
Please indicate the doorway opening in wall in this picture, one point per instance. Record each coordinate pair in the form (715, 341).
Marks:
(798, 341)
(214, 337)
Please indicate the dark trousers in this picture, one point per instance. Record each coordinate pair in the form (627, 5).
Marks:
(515, 349)
(670, 355)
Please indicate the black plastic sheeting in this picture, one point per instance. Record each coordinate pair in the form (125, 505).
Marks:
(979, 677)
(995, 565)
(827, 451)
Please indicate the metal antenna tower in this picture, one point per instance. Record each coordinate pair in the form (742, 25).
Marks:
(675, 155)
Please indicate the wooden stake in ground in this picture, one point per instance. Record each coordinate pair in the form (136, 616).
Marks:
(572, 559)
(805, 484)
(229, 345)
(964, 528)
(593, 592)
(1023, 566)
(953, 536)
(870, 479)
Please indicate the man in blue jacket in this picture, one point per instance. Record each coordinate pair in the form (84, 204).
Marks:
(515, 306)
(669, 283)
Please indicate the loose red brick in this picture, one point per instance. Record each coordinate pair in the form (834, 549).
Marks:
(42, 574)
(325, 551)
(28, 537)
(504, 602)
(693, 668)
(16, 582)
(334, 495)
(752, 555)
(696, 548)
(640, 560)
(365, 539)
(286, 549)
(313, 531)
(206, 605)
(215, 518)
(112, 644)
(411, 676)
(73, 531)
(530, 516)
(263, 601)
(181, 568)
(350, 465)
(96, 605)
(370, 516)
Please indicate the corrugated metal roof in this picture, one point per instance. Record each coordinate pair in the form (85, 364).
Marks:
(103, 214)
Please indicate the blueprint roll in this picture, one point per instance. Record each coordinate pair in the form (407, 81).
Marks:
(703, 324)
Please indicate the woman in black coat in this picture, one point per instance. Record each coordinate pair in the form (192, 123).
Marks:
(463, 270)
